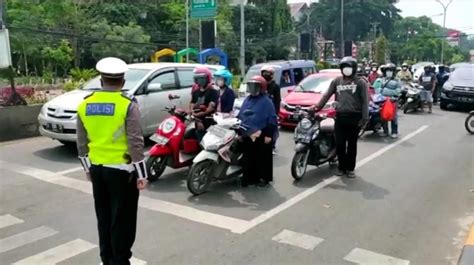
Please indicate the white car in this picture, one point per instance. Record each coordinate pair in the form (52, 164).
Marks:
(149, 83)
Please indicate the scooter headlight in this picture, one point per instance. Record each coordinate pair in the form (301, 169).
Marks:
(305, 123)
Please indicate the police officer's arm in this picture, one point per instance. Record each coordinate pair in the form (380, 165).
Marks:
(331, 90)
(135, 140)
(82, 144)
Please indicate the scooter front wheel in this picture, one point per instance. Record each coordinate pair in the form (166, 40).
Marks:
(469, 123)
(155, 165)
(199, 178)
(299, 165)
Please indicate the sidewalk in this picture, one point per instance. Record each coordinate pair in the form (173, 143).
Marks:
(467, 254)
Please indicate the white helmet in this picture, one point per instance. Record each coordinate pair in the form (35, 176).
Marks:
(268, 68)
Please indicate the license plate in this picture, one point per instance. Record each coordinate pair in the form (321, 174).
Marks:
(295, 116)
(54, 128)
(302, 138)
(217, 131)
(159, 139)
(463, 99)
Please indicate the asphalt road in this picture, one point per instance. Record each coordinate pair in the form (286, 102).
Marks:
(411, 204)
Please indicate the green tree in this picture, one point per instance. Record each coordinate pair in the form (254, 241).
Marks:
(127, 42)
(381, 47)
(59, 57)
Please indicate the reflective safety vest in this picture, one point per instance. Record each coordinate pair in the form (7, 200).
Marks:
(103, 115)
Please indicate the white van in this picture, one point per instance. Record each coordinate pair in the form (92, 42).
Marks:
(149, 83)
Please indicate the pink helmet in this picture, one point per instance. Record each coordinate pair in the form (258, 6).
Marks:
(201, 71)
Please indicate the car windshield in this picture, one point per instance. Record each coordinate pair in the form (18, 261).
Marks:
(316, 84)
(463, 73)
(132, 77)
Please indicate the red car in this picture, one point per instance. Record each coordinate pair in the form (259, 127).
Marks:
(306, 94)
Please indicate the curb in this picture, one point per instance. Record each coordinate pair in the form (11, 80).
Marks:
(467, 253)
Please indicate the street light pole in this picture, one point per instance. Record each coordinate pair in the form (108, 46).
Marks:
(342, 29)
(445, 8)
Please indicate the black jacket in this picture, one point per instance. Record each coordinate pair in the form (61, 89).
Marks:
(274, 93)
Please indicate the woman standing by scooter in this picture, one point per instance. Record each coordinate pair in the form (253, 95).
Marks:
(258, 114)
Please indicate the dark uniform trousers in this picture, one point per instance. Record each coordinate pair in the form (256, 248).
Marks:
(116, 202)
(347, 129)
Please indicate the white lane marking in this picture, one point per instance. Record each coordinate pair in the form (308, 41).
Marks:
(68, 171)
(8, 220)
(297, 239)
(366, 257)
(179, 210)
(23, 238)
(301, 196)
(59, 253)
(135, 261)
(235, 225)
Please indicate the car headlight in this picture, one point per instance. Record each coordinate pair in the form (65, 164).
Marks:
(305, 123)
(43, 110)
(448, 86)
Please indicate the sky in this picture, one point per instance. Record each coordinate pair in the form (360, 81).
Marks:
(459, 15)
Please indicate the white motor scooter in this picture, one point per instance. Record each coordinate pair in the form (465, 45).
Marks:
(218, 159)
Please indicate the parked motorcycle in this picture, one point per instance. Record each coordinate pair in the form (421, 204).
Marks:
(413, 101)
(176, 143)
(374, 123)
(220, 157)
(315, 143)
(469, 123)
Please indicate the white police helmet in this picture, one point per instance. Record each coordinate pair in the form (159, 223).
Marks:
(111, 67)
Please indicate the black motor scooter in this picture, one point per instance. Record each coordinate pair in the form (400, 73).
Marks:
(315, 143)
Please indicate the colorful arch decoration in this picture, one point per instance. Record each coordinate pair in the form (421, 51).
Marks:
(213, 52)
(182, 53)
(163, 52)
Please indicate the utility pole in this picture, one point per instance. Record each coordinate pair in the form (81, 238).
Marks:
(443, 40)
(2, 14)
(242, 38)
(342, 29)
(374, 41)
(187, 30)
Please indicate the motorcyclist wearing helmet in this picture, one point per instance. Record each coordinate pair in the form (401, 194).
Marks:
(374, 74)
(391, 87)
(223, 80)
(259, 118)
(428, 81)
(405, 75)
(204, 100)
(352, 112)
(273, 91)
(441, 78)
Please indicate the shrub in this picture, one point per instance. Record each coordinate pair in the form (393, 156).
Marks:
(82, 75)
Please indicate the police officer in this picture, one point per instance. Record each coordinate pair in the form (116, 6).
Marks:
(110, 146)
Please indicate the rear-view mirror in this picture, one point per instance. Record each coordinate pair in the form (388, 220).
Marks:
(154, 87)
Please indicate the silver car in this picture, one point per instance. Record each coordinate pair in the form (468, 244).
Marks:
(149, 83)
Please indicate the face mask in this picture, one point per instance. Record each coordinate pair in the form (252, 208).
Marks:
(267, 77)
(389, 74)
(374, 69)
(220, 83)
(404, 68)
(347, 71)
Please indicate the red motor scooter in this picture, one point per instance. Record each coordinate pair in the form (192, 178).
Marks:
(176, 143)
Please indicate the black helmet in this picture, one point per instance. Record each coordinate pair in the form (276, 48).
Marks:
(428, 68)
(360, 71)
(390, 66)
(441, 68)
(349, 62)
